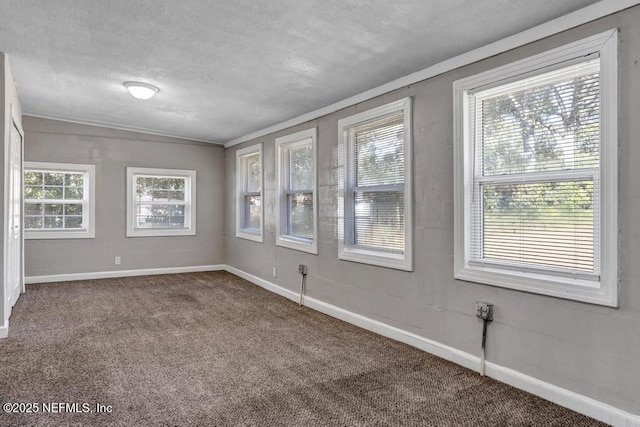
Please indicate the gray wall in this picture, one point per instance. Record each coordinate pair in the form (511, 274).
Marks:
(8, 97)
(111, 151)
(588, 349)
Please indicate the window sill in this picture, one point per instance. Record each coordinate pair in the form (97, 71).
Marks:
(249, 234)
(592, 292)
(297, 244)
(58, 234)
(377, 258)
(160, 232)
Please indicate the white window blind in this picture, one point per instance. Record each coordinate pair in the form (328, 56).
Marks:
(58, 200)
(251, 194)
(299, 196)
(296, 227)
(375, 205)
(536, 180)
(377, 186)
(249, 206)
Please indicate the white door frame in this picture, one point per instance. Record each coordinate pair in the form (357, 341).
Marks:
(18, 125)
(10, 296)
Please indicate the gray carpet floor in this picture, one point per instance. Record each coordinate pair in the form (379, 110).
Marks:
(212, 349)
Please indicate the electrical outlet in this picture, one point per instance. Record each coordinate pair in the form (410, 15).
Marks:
(484, 310)
(118, 260)
(302, 269)
(275, 272)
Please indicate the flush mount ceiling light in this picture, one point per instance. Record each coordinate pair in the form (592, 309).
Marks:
(141, 90)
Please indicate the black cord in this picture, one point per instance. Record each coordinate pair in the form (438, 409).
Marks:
(303, 285)
(484, 332)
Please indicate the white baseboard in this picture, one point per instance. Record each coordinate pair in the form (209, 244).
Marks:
(120, 273)
(4, 330)
(263, 283)
(563, 397)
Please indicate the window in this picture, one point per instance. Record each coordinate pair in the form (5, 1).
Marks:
(375, 197)
(297, 203)
(536, 173)
(161, 202)
(59, 201)
(249, 207)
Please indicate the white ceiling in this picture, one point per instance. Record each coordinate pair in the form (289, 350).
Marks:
(229, 68)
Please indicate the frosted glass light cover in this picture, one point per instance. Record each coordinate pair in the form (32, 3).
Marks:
(140, 90)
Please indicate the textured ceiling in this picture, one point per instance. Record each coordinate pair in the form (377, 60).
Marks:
(228, 68)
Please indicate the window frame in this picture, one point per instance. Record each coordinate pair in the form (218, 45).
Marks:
(88, 201)
(256, 235)
(283, 144)
(347, 250)
(603, 291)
(190, 201)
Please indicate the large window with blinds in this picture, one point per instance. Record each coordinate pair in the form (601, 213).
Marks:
(375, 193)
(59, 201)
(296, 227)
(161, 202)
(249, 207)
(536, 168)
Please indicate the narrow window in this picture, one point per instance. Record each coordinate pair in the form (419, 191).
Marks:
(249, 207)
(376, 196)
(297, 206)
